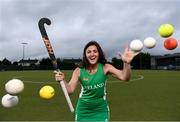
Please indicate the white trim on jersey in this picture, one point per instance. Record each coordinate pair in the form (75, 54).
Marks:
(82, 90)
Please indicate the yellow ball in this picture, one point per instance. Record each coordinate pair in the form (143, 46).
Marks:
(166, 30)
(46, 92)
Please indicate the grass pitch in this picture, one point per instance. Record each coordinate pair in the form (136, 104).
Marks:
(150, 95)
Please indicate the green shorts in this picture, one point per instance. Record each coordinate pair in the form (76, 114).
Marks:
(92, 110)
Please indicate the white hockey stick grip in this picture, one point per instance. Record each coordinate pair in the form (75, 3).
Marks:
(67, 96)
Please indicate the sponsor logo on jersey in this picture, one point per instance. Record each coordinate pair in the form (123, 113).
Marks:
(85, 79)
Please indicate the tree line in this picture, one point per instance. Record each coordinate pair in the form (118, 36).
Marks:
(141, 61)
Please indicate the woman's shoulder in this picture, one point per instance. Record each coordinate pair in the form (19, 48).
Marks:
(106, 67)
(77, 71)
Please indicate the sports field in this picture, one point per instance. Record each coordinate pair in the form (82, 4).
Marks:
(150, 95)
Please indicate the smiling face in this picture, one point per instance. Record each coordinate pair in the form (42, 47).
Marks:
(92, 54)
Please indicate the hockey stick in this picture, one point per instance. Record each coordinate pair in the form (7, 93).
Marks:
(49, 48)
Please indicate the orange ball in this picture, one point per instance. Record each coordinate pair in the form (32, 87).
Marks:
(170, 43)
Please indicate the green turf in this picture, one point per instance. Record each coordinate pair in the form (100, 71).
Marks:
(155, 97)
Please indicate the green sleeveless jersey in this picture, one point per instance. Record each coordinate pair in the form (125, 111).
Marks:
(93, 85)
(92, 104)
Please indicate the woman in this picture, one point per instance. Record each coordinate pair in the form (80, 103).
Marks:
(92, 75)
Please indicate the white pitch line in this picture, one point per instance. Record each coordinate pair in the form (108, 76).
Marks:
(140, 77)
(41, 82)
(16, 77)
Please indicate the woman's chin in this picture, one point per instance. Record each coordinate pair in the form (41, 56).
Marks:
(93, 62)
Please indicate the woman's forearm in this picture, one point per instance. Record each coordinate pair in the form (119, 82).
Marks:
(126, 71)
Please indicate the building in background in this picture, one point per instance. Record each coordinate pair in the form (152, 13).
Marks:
(166, 62)
(28, 62)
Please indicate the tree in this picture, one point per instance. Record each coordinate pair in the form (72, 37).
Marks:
(46, 61)
(6, 62)
(15, 63)
(142, 61)
(117, 63)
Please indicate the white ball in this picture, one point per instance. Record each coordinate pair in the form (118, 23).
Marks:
(136, 45)
(149, 42)
(14, 86)
(9, 100)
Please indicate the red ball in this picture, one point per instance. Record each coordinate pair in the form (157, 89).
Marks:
(170, 43)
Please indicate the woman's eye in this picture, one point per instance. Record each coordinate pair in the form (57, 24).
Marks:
(95, 51)
(88, 51)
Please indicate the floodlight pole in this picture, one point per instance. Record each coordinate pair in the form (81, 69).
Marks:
(23, 43)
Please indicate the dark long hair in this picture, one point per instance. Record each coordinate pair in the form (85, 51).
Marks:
(102, 59)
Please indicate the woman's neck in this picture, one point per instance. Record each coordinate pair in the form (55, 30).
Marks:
(92, 68)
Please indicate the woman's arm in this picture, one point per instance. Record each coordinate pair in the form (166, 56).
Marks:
(71, 85)
(125, 73)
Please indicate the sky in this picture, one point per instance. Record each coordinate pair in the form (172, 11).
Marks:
(112, 23)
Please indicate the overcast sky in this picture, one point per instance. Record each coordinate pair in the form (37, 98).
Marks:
(112, 23)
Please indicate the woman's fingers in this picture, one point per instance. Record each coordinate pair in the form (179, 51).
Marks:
(59, 76)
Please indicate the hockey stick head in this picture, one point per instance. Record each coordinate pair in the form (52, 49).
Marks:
(41, 23)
